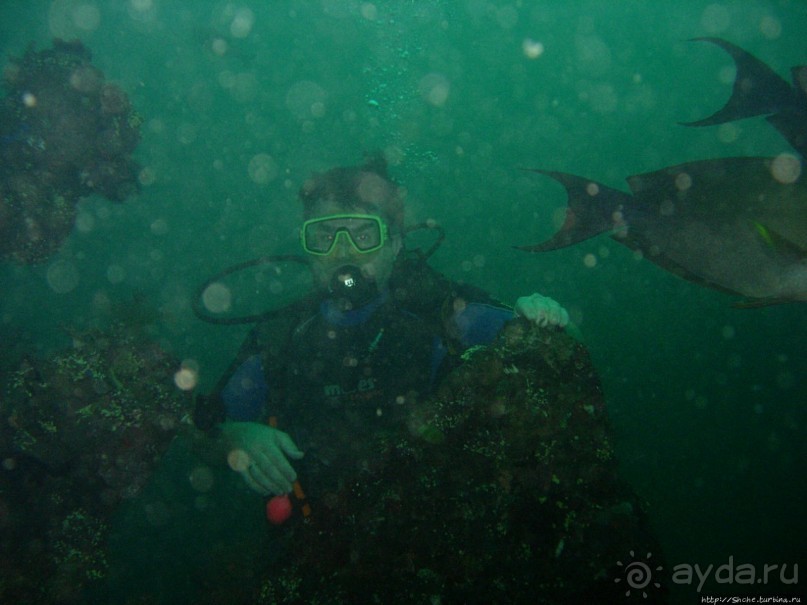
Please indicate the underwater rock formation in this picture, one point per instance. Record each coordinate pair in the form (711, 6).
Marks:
(65, 133)
(502, 488)
(79, 432)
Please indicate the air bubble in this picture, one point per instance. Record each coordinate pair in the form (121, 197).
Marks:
(217, 298)
(262, 169)
(786, 168)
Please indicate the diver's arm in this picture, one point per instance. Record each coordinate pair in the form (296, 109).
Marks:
(478, 323)
(211, 409)
(233, 417)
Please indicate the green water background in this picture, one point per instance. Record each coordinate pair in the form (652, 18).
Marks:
(708, 402)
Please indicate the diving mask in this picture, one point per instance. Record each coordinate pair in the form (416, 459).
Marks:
(364, 232)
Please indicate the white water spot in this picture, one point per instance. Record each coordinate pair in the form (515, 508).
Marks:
(532, 49)
(603, 98)
(369, 11)
(306, 99)
(238, 460)
(727, 133)
(115, 274)
(715, 18)
(159, 226)
(593, 54)
(141, 11)
(683, 181)
(667, 207)
(434, 88)
(770, 27)
(217, 298)
(219, 46)
(786, 168)
(241, 25)
(262, 169)
(62, 276)
(85, 221)
(87, 17)
(727, 74)
(147, 176)
(186, 133)
(559, 217)
(187, 377)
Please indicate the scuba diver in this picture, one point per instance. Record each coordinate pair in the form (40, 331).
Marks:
(379, 332)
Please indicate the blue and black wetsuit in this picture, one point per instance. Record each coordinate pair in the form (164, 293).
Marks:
(354, 372)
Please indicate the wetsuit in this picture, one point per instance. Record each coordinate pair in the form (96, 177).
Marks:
(333, 377)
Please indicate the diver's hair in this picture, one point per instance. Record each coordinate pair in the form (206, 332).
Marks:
(363, 188)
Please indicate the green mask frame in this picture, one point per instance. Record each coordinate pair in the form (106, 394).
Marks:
(366, 233)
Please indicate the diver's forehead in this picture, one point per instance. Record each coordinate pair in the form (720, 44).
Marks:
(339, 222)
(324, 208)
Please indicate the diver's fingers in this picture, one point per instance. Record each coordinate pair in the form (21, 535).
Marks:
(288, 446)
(254, 485)
(268, 478)
(274, 467)
(555, 316)
(542, 310)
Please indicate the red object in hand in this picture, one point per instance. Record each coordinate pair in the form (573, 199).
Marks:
(278, 509)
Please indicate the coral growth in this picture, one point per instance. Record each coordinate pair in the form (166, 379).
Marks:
(79, 432)
(65, 133)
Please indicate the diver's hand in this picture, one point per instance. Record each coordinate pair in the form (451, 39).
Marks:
(266, 467)
(542, 311)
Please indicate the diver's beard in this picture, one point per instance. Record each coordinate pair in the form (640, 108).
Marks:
(351, 288)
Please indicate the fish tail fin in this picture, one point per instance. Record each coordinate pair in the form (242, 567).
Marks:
(593, 208)
(758, 90)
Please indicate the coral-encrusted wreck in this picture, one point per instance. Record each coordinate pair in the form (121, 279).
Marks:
(503, 488)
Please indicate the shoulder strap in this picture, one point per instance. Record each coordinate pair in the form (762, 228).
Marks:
(421, 289)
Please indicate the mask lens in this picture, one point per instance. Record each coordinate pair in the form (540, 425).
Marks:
(366, 233)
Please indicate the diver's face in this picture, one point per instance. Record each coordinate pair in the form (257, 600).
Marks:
(347, 238)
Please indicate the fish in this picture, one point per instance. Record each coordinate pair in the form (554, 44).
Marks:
(728, 224)
(759, 90)
(737, 224)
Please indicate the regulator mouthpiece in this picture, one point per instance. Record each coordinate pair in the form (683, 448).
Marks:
(349, 284)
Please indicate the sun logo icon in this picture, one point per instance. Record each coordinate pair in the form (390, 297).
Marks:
(638, 575)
